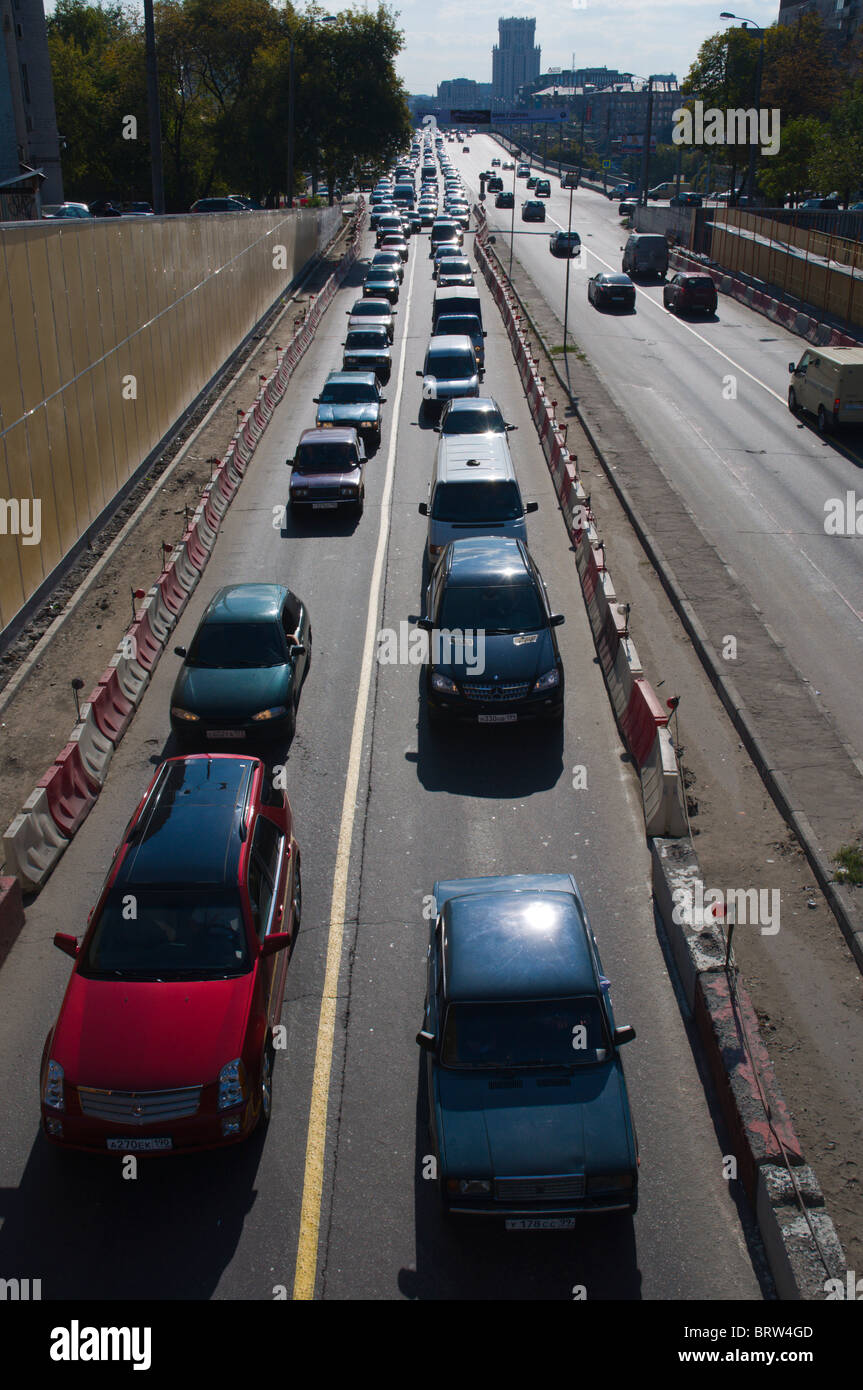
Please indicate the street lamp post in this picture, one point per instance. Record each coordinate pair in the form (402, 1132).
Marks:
(645, 159)
(759, 72)
(566, 291)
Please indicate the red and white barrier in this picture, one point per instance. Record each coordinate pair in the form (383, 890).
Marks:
(32, 843)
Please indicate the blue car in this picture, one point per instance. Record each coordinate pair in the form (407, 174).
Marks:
(528, 1106)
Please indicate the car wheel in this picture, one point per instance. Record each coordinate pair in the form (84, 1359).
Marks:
(823, 424)
(267, 1060)
(792, 400)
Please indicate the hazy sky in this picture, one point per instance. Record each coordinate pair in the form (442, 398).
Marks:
(454, 38)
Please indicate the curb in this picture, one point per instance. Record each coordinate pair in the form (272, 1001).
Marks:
(38, 836)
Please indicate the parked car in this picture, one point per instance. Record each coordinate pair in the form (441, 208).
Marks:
(245, 667)
(566, 244)
(62, 211)
(686, 200)
(533, 211)
(218, 205)
(353, 399)
(164, 1040)
(368, 350)
(366, 312)
(609, 290)
(328, 472)
(491, 585)
(690, 292)
(516, 996)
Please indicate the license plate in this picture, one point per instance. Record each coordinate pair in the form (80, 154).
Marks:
(320, 506)
(226, 733)
(540, 1223)
(497, 718)
(138, 1145)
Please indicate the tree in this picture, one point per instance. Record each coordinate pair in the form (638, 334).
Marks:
(838, 162)
(790, 171)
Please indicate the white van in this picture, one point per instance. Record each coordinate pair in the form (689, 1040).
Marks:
(473, 492)
(828, 383)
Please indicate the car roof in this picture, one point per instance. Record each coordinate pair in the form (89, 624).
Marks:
(471, 403)
(465, 456)
(382, 306)
(340, 435)
(516, 944)
(245, 603)
(448, 342)
(480, 559)
(352, 378)
(191, 828)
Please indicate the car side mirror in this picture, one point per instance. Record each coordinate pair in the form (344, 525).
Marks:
(66, 943)
(383, 400)
(423, 509)
(436, 429)
(792, 366)
(512, 427)
(531, 507)
(425, 624)
(427, 1041)
(485, 335)
(297, 649)
(289, 463)
(624, 1034)
(276, 941)
(180, 651)
(419, 373)
(316, 400)
(557, 620)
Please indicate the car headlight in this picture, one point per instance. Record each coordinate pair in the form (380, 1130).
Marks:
(52, 1095)
(184, 714)
(468, 1187)
(548, 680)
(608, 1182)
(367, 424)
(275, 713)
(299, 492)
(443, 684)
(348, 491)
(232, 1084)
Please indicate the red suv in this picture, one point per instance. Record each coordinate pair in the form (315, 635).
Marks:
(165, 1038)
(688, 292)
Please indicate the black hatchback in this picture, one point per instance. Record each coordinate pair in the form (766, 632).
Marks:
(493, 656)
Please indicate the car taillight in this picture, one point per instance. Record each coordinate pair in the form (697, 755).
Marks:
(836, 405)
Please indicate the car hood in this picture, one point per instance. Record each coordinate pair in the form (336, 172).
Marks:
(350, 477)
(436, 387)
(509, 656)
(150, 1035)
(234, 691)
(346, 414)
(515, 1126)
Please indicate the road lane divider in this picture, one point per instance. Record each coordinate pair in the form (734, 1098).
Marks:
(313, 1174)
(38, 835)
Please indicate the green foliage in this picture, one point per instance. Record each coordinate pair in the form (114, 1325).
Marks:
(850, 861)
(224, 79)
(790, 171)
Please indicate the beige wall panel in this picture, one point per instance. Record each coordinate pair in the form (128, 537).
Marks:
(132, 409)
(11, 400)
(103, 432)
(61, 475)
(78, 412)
(44, 487)
(91, 294)
(43, 310)
(61, 306)
(12, 591)
(26, 341)
(23, 484)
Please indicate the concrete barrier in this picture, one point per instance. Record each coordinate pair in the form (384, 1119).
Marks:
(132, 678)
(643, 715)
(70, 791)
(32, 843)
(662, 791)
(112, 710)
(95, 749)
(142, 642)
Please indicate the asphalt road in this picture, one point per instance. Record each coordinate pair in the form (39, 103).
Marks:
(382, 809)
(709, 400)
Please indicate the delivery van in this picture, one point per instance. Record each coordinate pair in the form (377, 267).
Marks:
(827, 382)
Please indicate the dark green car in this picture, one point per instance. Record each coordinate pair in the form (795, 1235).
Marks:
(242, 675)
(352, 399)
(528, 1105)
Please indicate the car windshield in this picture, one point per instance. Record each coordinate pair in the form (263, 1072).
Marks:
(477, 502)
(174, 934)
(699, 282)
(325, 458)
(493, 608)
(224, 646)
(471, 421)
(541, 1033)
(367, 338)
(451, 367)
(370, 309)
(347, 393)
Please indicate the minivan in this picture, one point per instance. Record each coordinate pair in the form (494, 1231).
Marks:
(445, 229)
(473, 492)
(828, 383)
(645, 253)
(458, 299)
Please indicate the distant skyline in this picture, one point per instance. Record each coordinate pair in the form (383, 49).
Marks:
(454, 39)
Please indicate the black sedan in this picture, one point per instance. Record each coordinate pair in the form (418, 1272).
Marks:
(608, 290)
(566, 244)
(533, 211)
(493, 656)
(242, 675)
(504, 200)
